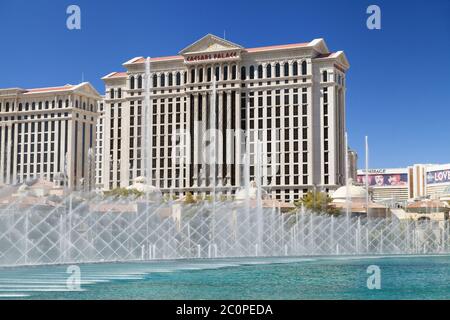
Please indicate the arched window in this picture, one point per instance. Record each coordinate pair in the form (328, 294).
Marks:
(233, 72)
(277, 70)
(269, 71)
(192, 75)
(178, 79)
(46, 105)
(131, 83)
(139, 82)
(7, 107)
(200, 75)
(208, 74)
(243, 75)
(286, 69)
(155, 81)
(67, 104)
(185, 77)
(225, 72)
(119, 92)
(76, 102)
(111, 93)
(84, 105)
(217, 73)
(324, 76)
(304, 68)
(251, 72)
(295, 68)
(60, 104)
(20, 107)
(170, 79)
(163, 80)
(260, 71)
(27, 106)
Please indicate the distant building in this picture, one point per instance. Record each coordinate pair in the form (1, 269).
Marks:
(47, 133)
(414, 182)
(353, 164)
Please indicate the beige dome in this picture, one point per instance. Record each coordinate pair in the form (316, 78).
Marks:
(354, 193)
(140, 185)
(241, 194)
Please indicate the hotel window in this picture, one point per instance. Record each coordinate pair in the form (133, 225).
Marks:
(233, 72)
(163, 80)
(119, 94)
(139, 82)
(225, 73)
(111, 93)
(286, 69)
(252, 72)
(277, 70)
(243, 75)
(324, 76)
(295, 69)
(304, 68)
(131, 83)
(260, 72)
(170, 79)
(269, 71)
(217, 73)
(200, 75)
(155, 81)
(178, 79)
(208, 74)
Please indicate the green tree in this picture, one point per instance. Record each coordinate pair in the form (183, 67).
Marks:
(189, 198)
(318, 202)
(123, 193)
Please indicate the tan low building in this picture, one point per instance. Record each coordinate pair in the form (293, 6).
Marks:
(354, 200)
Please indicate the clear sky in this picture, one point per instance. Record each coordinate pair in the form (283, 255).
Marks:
(398, 85)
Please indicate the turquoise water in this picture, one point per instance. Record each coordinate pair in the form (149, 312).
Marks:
(402, 277)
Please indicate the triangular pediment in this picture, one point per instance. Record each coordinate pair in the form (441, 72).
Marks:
(210, 43)
(87, 88)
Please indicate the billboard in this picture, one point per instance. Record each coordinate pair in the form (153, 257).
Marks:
(438, 176)
(385, 179)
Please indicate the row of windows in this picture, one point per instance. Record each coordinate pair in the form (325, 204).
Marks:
(46, 105)
(205, 74)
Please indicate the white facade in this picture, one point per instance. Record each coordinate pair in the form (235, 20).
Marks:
(290, 97)
(47, 133)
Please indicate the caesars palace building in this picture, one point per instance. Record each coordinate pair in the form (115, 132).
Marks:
(289, 97)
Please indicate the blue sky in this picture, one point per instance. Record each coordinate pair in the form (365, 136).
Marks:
(398, 86)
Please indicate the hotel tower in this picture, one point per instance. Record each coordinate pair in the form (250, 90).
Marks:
(49, 133)
(287, 101)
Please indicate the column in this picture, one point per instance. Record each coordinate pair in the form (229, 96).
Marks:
(220, 142)
(229, 139)
(237, 137)
(196, 141)
(202, 138)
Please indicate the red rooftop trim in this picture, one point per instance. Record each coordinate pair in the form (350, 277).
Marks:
(66, 87)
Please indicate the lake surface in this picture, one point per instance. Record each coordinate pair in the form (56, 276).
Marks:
(402, 277)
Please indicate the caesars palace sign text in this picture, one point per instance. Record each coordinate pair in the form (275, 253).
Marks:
(212, 56)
